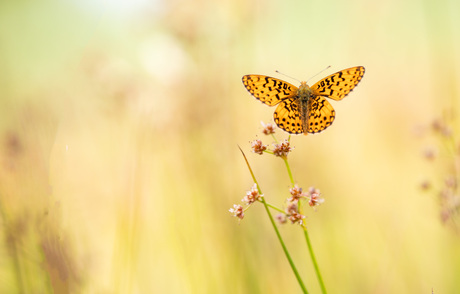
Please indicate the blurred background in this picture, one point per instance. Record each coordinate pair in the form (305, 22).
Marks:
(119, 128)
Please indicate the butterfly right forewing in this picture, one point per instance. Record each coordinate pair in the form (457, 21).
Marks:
(267, 89)
(339, 84)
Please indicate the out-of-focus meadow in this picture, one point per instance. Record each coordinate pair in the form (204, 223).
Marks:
(119, 132)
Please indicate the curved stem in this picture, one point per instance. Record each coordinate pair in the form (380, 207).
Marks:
(313, 259)
(274, 207)
(272, 221)
(286, 252)
(289, 171)
(307, 238)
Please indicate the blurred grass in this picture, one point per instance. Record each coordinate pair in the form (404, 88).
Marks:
(119, 159)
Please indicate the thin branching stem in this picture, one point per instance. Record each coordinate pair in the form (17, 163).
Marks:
(272, 221)
(289, 171)
(307, 238)
(274, 207)
(313, 259)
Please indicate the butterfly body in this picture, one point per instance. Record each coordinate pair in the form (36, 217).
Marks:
(303, 109)
(304, 94)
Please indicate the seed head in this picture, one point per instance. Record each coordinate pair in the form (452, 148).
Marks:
(292, 212)
(268, 128)
(292, 208)
(258, 147)
(252, 195)
(282, 149)
(315, 197)
(237, 211)
(296, 217)
(296, 193)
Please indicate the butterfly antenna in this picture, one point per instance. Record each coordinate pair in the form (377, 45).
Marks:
(319, 73)
(287, 76)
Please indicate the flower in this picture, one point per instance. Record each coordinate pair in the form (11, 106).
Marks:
(296, 193)
(268, 128)
(292, 208)
(237, 211)
(293, 213)
(252, 195)
(296, 217)
(282, 149)
(258, 147)
(315, 197)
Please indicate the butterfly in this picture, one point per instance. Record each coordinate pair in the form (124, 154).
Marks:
(304, 109)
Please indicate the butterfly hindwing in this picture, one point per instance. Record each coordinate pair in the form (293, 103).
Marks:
(287, 116)
(321, 114)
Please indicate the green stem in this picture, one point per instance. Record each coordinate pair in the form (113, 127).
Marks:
(313, 259)
(272, 221)
(289, 171)
(310, 248)
(286, 252)
(274, 207)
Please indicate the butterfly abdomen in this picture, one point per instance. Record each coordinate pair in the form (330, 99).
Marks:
(304, 94)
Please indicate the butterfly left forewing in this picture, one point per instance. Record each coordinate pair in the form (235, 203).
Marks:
(338, 85)
(267, 89)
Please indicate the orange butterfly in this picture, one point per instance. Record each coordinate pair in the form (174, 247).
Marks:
(303, 109)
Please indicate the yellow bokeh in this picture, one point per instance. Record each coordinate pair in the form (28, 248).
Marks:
(119, 134)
